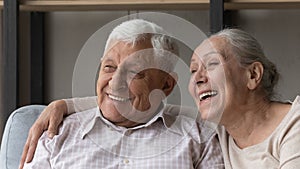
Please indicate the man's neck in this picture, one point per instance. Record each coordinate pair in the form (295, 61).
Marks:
(141, 121)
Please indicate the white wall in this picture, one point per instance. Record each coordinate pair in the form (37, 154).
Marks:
(279, 33)
(66, 33)
(277, 30)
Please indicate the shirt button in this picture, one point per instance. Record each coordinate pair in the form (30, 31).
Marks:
(127, 133)
(126, 161)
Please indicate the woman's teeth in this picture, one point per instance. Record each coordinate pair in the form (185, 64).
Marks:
(206, 95)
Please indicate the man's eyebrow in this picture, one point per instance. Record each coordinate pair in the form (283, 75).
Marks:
(134, 64)
(106, 59)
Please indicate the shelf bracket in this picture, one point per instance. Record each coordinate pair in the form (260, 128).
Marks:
(37, 57)
(216, 14)
(9, 60)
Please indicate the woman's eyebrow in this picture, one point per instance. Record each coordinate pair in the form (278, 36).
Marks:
(210, 53)
(205, 55)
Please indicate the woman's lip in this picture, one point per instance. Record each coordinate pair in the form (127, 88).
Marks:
(203, 91)
(203, 95)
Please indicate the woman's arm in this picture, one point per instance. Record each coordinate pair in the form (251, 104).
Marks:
(50, 119)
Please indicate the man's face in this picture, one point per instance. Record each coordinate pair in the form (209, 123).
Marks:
(127, 77)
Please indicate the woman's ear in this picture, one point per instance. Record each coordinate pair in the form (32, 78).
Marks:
(170, 82)
(255, 73)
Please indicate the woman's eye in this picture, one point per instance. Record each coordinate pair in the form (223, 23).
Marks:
(193, 71)
(211, 65)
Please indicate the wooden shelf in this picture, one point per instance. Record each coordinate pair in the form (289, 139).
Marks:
(261, 4)
(94, 5)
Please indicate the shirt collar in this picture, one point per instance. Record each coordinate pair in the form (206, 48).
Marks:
(87, 125)
(167, 121)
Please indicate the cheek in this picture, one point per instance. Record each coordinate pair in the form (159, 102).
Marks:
(140, 92)
(217, 78)
(192, 87)
(139, 89)
(102, 82)
(98, 86)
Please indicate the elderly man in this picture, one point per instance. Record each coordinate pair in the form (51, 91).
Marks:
(131, 127)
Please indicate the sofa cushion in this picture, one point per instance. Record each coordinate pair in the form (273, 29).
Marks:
(15, 135)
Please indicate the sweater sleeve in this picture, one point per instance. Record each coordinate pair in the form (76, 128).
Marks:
(290, 144)
(80, 104)
(42, 155)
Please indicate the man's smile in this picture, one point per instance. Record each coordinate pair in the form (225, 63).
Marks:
(118, 98)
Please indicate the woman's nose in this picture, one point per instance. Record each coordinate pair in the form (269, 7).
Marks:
(201, 76)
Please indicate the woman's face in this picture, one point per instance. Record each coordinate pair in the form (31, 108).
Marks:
(217, 84)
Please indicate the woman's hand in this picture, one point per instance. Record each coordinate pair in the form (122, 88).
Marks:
(49, 120)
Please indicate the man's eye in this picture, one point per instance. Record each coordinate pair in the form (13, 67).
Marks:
(135, 74)
(109, 68)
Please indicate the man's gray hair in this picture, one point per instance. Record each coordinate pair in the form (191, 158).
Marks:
(247, 49)
(133, 31)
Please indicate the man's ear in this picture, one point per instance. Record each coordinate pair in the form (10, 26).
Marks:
(170, 82)
(255, 73)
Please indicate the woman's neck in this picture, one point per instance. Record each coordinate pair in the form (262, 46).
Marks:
(248, 121)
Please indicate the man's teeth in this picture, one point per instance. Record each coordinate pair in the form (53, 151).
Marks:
(205, 95)
(120, 99)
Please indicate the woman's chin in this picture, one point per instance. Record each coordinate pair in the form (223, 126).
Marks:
(210, 116)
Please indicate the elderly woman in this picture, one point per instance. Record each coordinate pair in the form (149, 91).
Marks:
(232, 84)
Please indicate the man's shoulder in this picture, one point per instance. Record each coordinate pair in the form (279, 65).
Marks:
(189, 123)
(75, 122)
(80, 117)
(177, 110)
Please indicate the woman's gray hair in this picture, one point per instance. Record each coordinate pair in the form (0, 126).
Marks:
(137, 30)
(247, 49)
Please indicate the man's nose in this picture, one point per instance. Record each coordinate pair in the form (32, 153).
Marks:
(118, 81)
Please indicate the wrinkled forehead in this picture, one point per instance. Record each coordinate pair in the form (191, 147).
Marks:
(124, 48)
(204, 49)
(144, 58)
(213, 45)
(129, 56)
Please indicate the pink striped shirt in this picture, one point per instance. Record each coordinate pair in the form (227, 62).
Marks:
(86, 140)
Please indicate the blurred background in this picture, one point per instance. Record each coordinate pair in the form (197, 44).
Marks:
(65, 33)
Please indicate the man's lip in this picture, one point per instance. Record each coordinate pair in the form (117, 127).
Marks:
(118, 98)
